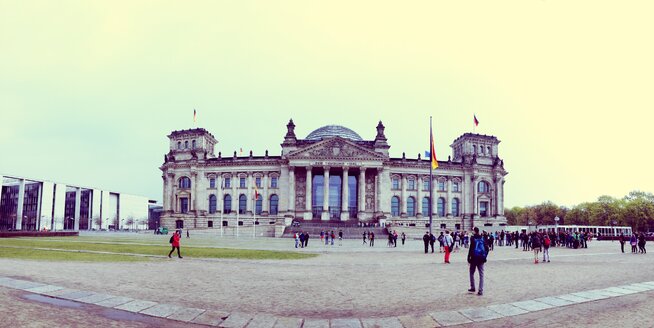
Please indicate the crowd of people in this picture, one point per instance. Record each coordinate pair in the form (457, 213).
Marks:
(637, 242)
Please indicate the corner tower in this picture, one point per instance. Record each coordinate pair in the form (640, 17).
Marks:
(191, 144)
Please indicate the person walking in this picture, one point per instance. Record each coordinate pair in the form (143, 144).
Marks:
(340, 237)
(641, 243)
(306, 239)
(440, 243)
(633, 241)
(302, 239)
(187, 234)
(364, 238)
(432, 240)
(546, 247)
(448, 243)
(477, 254)
(296, 236)
(333, 236)
(622, 241)
(535, 245)
(425, 240)
(372, 239)
(174, 242)
(403, 238)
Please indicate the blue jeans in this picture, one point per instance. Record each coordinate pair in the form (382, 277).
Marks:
(480, 268)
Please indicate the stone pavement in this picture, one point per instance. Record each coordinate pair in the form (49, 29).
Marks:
(256, 320)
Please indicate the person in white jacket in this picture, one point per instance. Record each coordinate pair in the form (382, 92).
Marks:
(448, 244)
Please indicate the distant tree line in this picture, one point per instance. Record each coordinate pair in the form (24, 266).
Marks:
(635, 210)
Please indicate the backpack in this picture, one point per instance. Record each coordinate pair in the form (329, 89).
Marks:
(480, 249)
(535, 242)
(547, 242)
(171, 240)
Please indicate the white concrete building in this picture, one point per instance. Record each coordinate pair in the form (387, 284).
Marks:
(202, 190)
(34, 204)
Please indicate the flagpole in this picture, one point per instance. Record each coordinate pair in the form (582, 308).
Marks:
(431, 177)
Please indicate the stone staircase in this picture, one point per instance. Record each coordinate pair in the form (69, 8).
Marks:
(350, 231)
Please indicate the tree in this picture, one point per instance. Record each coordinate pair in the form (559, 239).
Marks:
(98, 221)
(130, 222)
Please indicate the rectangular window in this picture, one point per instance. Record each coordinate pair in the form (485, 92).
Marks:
(242, 183)
(228, 183)
(258, 182)
(412, 184)
(396, 183)
(425, 185)
(212, 183)
(183, 202)
(441, 185)
(273, 182)
(483, 209)
(455, 186)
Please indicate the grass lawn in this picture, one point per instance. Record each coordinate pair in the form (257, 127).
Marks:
(43, 255)
(77, 243)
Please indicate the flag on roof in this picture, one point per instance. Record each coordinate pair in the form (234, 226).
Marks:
(476, 120)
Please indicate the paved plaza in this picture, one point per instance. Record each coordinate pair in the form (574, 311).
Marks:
(352, 285)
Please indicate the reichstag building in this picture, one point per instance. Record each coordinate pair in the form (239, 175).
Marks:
(331, 175)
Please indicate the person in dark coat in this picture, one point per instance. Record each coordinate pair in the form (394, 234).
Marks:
(425, 240)
(476, 259)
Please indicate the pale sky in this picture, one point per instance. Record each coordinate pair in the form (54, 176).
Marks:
(90, 89)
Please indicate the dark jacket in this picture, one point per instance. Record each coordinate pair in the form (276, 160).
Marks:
(472, 259)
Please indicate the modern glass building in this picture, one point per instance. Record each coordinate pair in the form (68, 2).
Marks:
(33, 204)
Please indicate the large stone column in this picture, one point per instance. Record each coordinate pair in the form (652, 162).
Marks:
(403, 200)
(249, 205)
(235, 182)
(384, 188)
(448, 200)
(265, 202)
(419, 213)
(361, 197)
(345, 200)
(308, 214)
(171, 192)
(291, 187)
(194, 194)
(325, 197)
(219, 194)
(21, 204)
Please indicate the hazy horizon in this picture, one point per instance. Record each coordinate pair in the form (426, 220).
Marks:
(89, 93)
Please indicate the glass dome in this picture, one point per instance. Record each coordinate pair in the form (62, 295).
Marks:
(333, 131)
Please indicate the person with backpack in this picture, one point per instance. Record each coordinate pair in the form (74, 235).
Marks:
(440, 242)
(448, 242)
(535, 245)
(432, 240)
(174, 242)
(477, 254)
(546, 247)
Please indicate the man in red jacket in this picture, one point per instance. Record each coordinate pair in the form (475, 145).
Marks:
(175, 244)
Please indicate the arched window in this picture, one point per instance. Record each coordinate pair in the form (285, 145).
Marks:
(411, 206)
(193, 144)
(474, 149)
(441, 207)
(274, 204)
(184, 182)
(179, 145)
(186, 144)
(483, 186)
(395, 206)
(212, 204)
(227, 204)
(425, 206)
(488, 150)
(258, 205)
(242, 204)
(455, 207)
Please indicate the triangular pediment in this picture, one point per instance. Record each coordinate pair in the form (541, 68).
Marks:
(335, 148)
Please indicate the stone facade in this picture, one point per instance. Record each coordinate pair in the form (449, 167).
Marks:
(202, 190)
